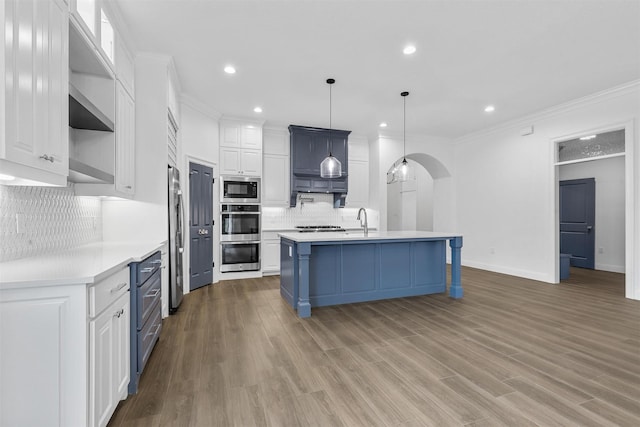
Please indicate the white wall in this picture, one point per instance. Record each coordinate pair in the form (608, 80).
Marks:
(200, 142)
(506, 192)
(410, 203)
(388, 148)
(145, 217)
(609, 225)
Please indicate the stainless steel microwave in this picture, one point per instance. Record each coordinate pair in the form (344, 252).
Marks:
(239, 189)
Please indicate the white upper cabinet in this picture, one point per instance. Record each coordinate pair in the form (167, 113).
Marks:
(240, 147)
(275, 175)
(34, 69)
(276, 141)
(358, 194)
(94, 21)
(125, 66)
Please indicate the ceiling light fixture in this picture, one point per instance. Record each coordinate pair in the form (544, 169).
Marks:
(409, 50)
(383, 125)
(230, 69)
(404, 166)
(489, 109)
(586, 138)
(330, 167)
(401, 172)
(257, 110)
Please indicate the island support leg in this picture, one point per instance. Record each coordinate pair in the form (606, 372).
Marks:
(304, 307)
(455, 289)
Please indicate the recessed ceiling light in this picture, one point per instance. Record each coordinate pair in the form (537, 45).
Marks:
(489, 109)
(586, 138)
(383, 125)
(409, 50)
(230, 69)
(257, 110)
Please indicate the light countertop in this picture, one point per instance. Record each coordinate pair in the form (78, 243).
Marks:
(359, 235)
(85, 264)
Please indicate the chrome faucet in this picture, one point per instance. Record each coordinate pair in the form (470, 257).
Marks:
(366, 223)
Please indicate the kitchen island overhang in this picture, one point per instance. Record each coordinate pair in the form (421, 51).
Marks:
(321, 269)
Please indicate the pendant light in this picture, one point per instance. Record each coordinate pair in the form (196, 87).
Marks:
(330, 166)
(403, 170)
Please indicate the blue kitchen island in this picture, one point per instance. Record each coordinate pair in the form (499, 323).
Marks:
(320, 269)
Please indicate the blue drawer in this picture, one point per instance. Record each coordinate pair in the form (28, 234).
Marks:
(148, 336)
(148, 267)
(148, 296)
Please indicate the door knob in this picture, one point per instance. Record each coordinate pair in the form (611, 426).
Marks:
(589, 228)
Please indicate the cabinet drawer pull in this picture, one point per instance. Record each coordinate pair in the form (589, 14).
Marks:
(47, 157)
(120, 286)
(119, 313)
(156, 261)
(150, 334)
(128, 187)
(147, 270)
(155, 293)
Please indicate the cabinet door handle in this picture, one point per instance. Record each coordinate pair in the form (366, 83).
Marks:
(119, 313)
(128, 187)
(147, 270)
(156, 261)
(155, 294)
(120, 286)
(47, 157)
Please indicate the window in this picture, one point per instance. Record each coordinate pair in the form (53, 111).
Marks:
(605, 144)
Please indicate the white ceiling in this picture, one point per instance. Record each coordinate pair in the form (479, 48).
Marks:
(521, 56)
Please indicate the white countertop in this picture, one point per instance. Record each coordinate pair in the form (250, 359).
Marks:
(359, 235)
(85, 264)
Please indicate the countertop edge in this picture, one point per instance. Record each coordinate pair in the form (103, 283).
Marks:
(131, 252)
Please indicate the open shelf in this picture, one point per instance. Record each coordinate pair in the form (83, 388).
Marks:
(83, 114)
(80, 172)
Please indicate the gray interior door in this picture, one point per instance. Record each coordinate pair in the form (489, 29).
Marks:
(577, 221)
(200, 225)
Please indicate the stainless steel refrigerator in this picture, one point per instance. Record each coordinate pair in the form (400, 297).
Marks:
(176, 240)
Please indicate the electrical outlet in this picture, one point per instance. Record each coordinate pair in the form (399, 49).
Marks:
(20, 224)
(492, 251)
(600, 250)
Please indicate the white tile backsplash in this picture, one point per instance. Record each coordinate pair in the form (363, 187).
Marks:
(37, 220)
(318, 212)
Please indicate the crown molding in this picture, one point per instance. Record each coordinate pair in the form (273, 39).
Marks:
(595, 98)
(189, 101)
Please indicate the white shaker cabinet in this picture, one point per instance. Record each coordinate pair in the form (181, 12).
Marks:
(236, 161)
(65, 351)
(240, 148)
(34, 63)
(43, 367)
(109, 360)
(275, 180)
(270, 253)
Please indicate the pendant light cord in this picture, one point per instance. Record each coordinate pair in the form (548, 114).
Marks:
(404, 128)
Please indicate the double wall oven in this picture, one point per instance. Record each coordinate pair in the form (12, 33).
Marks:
(240, 224)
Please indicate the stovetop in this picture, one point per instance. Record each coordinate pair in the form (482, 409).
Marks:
(318, 228)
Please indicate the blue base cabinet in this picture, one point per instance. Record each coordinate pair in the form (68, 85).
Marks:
(316, 274)
(146, 314)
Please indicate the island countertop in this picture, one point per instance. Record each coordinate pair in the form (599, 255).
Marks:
(359, 235)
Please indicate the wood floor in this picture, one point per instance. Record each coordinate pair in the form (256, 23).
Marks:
(512, 352)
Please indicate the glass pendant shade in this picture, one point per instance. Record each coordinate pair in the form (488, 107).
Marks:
(330, 167)
(403, 172)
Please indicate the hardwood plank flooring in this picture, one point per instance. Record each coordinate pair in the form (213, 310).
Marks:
(512, 352)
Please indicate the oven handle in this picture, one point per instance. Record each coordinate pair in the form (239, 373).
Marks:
(239, 213)
(244, 242)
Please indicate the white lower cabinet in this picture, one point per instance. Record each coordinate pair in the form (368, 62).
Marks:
(65, 352)
(270, 253)
(108, 360)
(43, 334)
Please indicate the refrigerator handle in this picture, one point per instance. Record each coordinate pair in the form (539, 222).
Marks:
(180, 222)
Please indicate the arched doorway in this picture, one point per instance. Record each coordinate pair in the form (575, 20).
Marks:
(410, 204)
